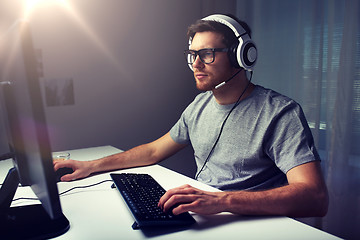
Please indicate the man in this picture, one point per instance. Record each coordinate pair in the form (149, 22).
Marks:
(249, 141)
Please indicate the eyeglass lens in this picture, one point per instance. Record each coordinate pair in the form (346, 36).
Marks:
(206, 56)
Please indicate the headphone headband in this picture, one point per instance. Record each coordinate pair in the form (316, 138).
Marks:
(229, 22)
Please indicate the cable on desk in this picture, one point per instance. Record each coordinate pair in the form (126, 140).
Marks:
(23, 198)
(86, 186)
(69, 190)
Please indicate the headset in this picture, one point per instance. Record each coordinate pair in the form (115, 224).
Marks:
(242, 54)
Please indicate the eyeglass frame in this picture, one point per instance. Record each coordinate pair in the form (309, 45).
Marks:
(197, 53)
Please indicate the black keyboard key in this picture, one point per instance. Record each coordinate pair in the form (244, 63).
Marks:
(142, 193)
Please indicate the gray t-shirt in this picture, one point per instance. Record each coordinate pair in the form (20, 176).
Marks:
(265, 136)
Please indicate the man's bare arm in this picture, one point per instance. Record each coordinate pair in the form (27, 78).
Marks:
(305, 195)
(146, 154)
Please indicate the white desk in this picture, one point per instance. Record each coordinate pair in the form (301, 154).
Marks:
(99, 212)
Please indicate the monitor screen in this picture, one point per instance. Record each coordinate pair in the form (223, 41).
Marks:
(23, 113)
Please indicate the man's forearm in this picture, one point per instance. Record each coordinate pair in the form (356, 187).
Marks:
(138, 156)
(295, 200)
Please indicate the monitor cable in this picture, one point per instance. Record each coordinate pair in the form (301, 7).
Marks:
(69, 190)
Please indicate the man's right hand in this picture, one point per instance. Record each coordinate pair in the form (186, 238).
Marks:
(81, 169)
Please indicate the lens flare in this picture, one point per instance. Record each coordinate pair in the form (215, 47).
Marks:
(92, 34)
(31, 5)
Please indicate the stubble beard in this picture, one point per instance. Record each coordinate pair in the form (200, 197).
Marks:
(203, 87)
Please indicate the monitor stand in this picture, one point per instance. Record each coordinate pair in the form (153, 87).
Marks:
(26, 222)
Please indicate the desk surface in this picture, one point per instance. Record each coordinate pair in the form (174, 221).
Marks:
(100, 213)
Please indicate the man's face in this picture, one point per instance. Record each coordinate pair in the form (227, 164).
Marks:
(207, 76)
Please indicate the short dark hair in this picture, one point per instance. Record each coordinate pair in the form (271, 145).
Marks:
(229, 38)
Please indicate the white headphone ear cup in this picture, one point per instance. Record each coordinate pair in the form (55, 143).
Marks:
(251, 55)
(247, 55)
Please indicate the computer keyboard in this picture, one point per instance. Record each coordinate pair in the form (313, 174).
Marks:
(142, 193)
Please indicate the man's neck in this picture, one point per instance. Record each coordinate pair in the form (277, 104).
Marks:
(240, 87)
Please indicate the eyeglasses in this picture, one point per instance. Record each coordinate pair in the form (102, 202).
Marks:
(207, 55)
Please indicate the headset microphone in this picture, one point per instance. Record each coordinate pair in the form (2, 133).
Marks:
(224, 82)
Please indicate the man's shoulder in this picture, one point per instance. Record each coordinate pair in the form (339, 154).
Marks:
(272, 97)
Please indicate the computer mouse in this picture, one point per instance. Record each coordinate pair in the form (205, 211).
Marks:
(61, 172)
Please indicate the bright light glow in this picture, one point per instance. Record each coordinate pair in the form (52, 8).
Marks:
(92, 35)
(31, 5)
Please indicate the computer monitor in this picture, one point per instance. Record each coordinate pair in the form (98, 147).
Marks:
(24, 115)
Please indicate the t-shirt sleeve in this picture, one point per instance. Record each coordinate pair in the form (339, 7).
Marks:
(290, 141)
(179, 132)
